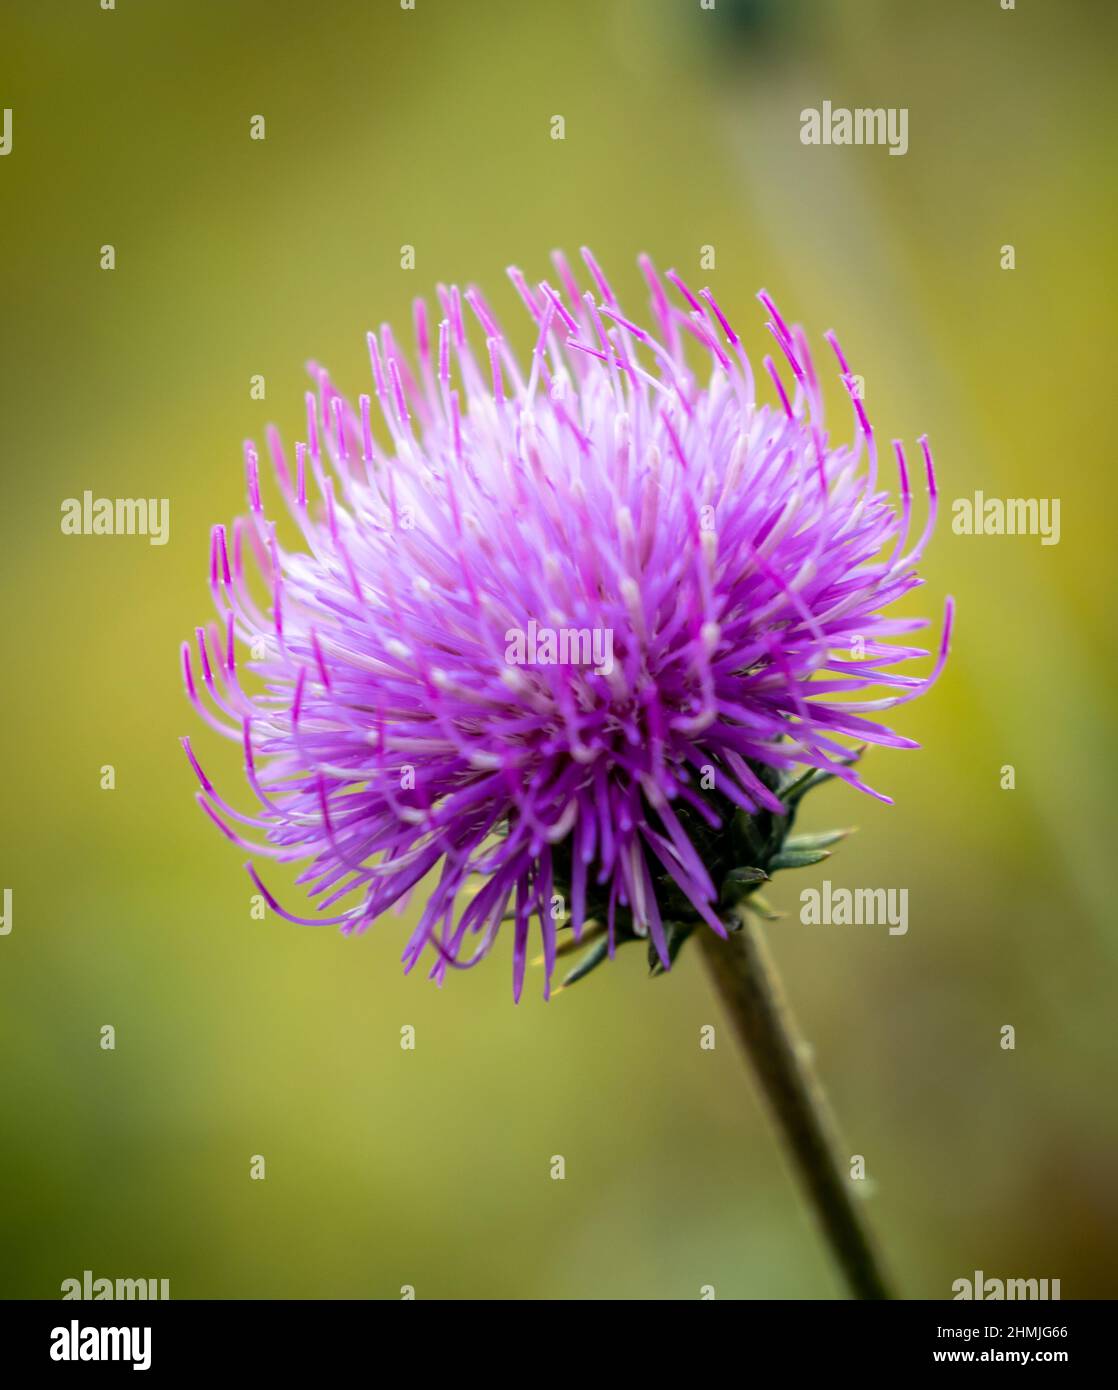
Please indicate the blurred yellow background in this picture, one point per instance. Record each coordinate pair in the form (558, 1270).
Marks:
(238, 1037)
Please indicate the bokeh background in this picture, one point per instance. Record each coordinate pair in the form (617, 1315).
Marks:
(238, 1037)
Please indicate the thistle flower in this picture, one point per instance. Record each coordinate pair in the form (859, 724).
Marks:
(579, 631)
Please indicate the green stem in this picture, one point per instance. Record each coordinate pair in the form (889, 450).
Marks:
(746, 979)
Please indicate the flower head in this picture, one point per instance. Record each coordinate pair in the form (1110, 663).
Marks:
(559, 624)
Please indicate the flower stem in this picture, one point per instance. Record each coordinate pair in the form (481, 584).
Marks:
(746, 979)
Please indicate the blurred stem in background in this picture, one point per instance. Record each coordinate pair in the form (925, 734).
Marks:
(745, 976)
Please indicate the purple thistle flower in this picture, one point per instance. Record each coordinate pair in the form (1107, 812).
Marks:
(555, 628)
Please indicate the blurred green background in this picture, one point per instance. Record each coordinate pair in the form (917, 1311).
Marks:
(238, 1037)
